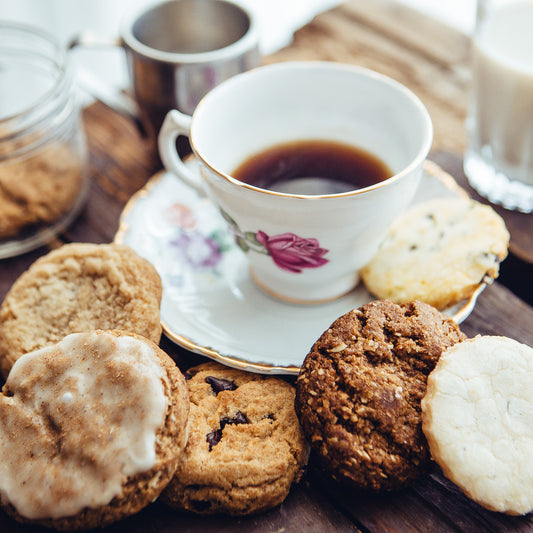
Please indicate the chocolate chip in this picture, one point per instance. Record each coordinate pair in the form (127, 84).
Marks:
(214, 437)
(190, 373)
(239, 418)
(490, 255)
(220, 384)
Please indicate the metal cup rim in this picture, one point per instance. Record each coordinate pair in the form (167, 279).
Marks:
(249, 41)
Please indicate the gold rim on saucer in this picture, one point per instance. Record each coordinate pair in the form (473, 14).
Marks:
(458, 313)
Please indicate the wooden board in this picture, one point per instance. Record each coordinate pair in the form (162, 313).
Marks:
(430, 59)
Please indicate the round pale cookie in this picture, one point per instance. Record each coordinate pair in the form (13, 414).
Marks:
(359, 389)
(245, 446)
(91, 430)
(79, 287)
(438, 252)
(478, 420)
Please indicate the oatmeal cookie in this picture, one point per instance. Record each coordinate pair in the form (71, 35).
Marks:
(245, 446)
(477, 416)
(359, 389)
(79, 287)
(91, 430)
(438, 252)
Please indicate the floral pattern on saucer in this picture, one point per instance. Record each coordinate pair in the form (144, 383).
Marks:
(183, 236)
(210, 304)
(196, 249)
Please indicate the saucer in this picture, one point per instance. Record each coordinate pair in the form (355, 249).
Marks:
(210, 304)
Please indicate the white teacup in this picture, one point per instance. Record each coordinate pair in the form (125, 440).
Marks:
(304, 248)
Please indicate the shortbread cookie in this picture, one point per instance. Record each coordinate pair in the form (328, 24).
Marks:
(359, 389)
(91, 430)
(245, 446)
(79, 287)
(478, 420)
(438, 252)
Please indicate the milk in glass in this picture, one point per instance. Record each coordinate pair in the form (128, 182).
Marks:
(499, 159)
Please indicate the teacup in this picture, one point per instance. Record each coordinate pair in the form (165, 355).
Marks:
(304, 248)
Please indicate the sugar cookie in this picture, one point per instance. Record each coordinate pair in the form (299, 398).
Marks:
(478, 419)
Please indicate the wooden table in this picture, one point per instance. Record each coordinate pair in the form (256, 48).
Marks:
(432, 60)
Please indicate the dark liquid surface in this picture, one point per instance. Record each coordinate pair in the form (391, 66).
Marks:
(314, 167)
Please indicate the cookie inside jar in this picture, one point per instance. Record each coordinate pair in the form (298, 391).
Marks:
(43, 153)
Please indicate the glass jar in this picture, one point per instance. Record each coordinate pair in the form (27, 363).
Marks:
(499, 159)
(43, 153)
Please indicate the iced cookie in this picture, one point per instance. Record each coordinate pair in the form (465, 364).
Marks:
(245, 446)
(478, 420)
(438, 252)
(79, 287)
(359, 389)
(91, 430)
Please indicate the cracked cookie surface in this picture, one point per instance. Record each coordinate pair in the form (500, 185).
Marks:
(79, 287)
(245, 446)
(478, 419)
(359, 390)
(438, 252)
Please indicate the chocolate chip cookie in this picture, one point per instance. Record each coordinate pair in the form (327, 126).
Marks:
(438, 252)
(359, 389)
(245, 446)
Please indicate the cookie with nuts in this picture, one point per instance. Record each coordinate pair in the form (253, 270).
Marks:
(438, 252)
(245, 446)
(359, 389)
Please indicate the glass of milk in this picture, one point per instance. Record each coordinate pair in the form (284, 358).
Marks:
(499, 159)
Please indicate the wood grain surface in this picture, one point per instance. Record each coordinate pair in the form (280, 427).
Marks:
(431, 59)
(427, 56)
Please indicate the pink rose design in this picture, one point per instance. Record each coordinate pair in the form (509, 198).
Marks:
(291, 252)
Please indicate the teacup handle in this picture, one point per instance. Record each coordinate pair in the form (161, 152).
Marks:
(176, 124)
